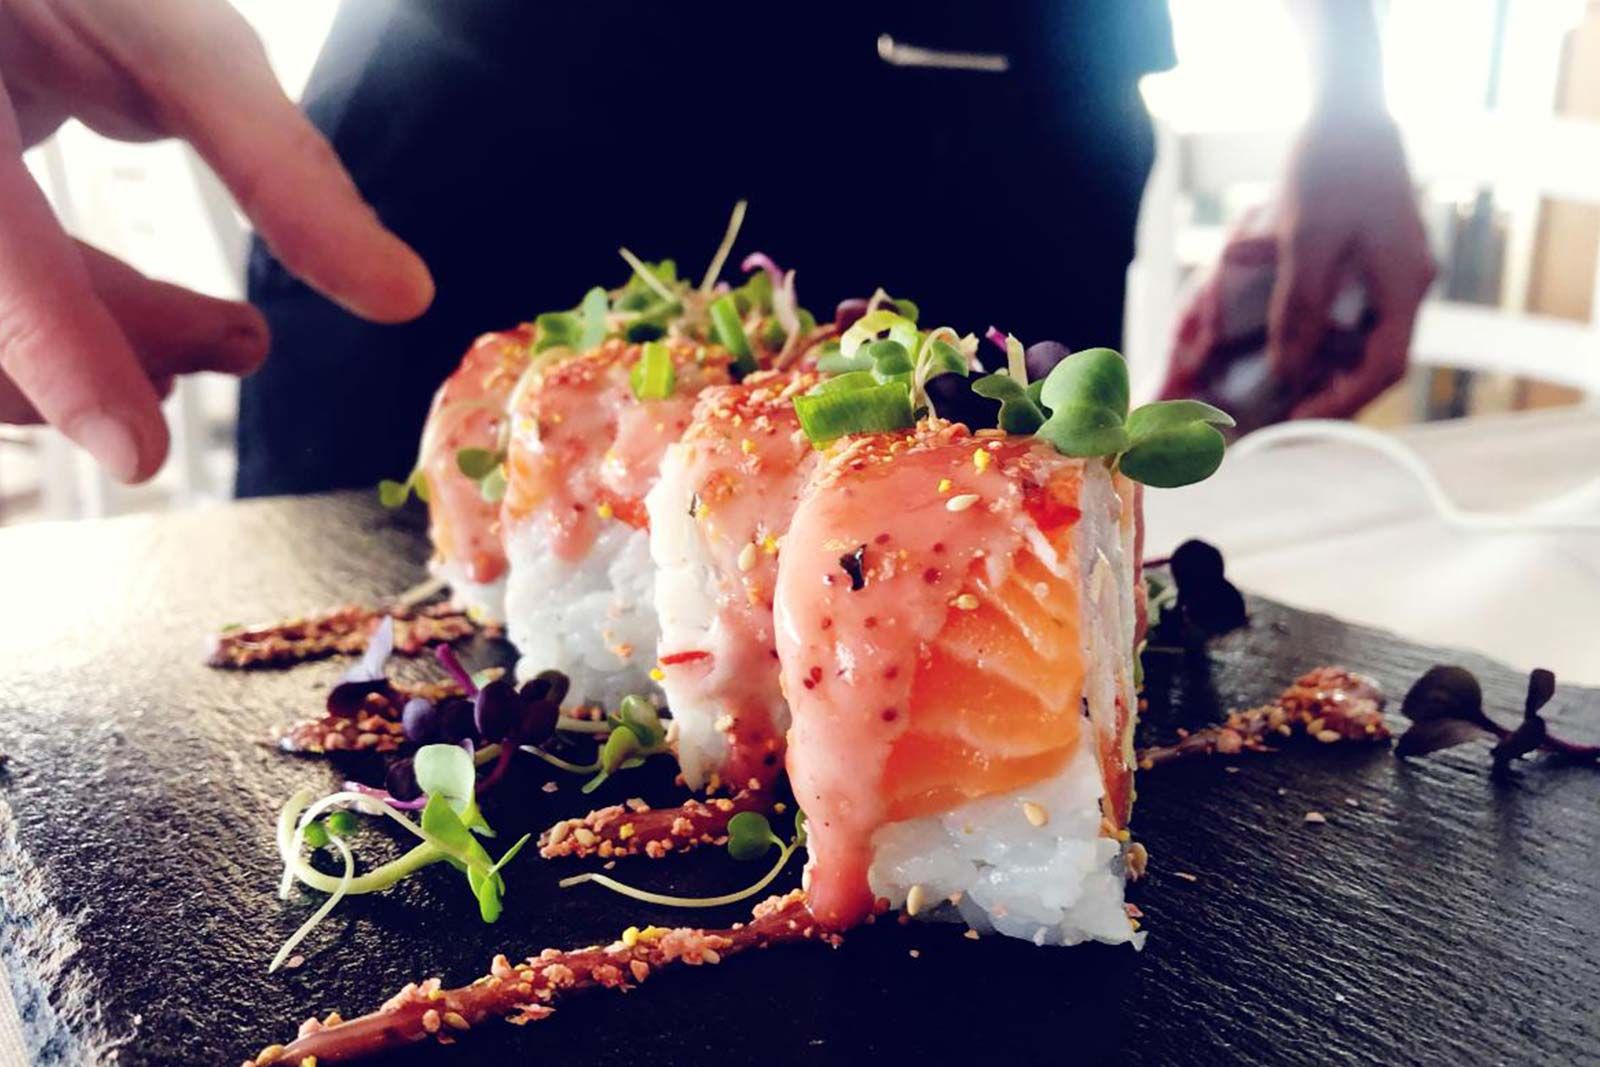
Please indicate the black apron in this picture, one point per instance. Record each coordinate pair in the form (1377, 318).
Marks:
(516, 144)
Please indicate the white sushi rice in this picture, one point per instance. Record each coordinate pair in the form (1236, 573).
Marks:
(1055, 884)
(686, 599)
(594, 620)
(484, 602)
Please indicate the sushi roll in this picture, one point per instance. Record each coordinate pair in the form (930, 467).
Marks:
(956, 617)
(717, 520)
(585, 448)
(468, 413)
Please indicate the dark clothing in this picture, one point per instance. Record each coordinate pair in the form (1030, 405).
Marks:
(516, 144)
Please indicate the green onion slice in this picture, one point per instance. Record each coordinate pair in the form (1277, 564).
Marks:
(728, 332)
(654, 377)
(830, 414)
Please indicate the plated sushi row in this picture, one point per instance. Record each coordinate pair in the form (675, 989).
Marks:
(844, 552)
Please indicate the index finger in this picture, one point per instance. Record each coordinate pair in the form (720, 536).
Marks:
(208, 77)
(58, 343)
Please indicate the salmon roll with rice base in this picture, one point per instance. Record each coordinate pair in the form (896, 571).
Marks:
(717, 522)
(583, 452)
(956, 619)
(468, 412)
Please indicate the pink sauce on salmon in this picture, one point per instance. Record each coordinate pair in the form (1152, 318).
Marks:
(745, 460)
(585, 450)
(927, 623)
(467, 412)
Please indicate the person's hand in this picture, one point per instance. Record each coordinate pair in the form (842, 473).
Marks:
(1347, 209)
(86, 342)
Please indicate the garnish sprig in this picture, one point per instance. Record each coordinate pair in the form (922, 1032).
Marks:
(1446, 709)
(1166, 444)
(750, 837)
(448, 831)
(883, 365)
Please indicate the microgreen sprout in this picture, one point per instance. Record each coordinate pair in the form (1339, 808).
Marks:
(448, 831)
(636, 735)
(1445, 707)
(750, 839)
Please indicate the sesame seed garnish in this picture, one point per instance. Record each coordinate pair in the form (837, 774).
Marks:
(1185, 875)
(1036, 813)
(1327, 737)
(1316, 817)
(966, 602)
(962, 502)
(747, 557)
(971, 934)
(916, 899)
(915, 953)
(1352, 802)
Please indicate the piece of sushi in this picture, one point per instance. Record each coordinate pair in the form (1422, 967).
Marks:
(717, 519)
(583, 451)
(468, 412)
(956, 618)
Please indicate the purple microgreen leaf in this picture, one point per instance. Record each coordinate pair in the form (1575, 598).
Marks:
(367, 676)
(447, 659)
(1206, 600)
(1448, 692)
(762, 261)
(1431, 735)
(1541, 687)
(380, 646)
(1529, 735)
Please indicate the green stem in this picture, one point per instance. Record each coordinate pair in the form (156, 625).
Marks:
(685, 902)
(557, 761)
(583, 726)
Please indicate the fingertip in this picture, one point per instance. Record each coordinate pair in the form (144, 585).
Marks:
(130, 446)
(244, 342)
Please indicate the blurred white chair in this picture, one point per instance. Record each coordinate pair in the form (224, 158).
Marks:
(1555, 157)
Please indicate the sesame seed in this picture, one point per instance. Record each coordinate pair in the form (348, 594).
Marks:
(1185, 875)
(630, 936)
(1316, 817)
(1327, 737)
(1036, 813)
(966, 602)
(456, 1021)
(747, 557)
(915, 953)
(971, 934)
(585, 836)
(916, 899)
(962, 502)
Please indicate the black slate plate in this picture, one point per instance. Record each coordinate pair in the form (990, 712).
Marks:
(1446, 919)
